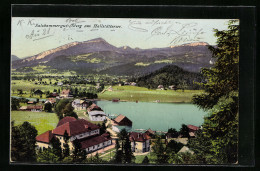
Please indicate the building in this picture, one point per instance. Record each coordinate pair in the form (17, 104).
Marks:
(79, 104)
(50, 100)
(93, 106)
(66, 94)
(59, 83)
(31, 102)
(185, 149)
(192, 130)
(38, 92)
(54, 94)
(96, 115)
(109, 88)
(121, 122)
(86, 133)
(172, 87)
(133, 84)
(160, 87)
(140, 142)
(32, 108)
(150, 132)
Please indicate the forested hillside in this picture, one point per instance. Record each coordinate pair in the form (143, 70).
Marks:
(168, 76)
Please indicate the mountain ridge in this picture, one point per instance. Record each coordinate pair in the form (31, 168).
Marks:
(89, 53)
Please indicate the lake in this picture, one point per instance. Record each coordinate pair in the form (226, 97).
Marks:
(157, 116)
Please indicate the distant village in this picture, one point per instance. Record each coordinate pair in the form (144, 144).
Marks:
(89, 134)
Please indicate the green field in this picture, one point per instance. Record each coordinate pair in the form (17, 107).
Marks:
(134, 93)
(139, 158)
(42, 121)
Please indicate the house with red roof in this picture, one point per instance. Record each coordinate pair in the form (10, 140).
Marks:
(87, 134)
(66, 94)
(121, 122)
(192, 130)
(31, 108)
(140, 142)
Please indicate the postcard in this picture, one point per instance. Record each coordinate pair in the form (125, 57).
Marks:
(124, 91)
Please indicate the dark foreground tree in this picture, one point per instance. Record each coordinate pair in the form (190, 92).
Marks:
(66, 148)
(23, 142)
(56, 147)
(145, 160)
(184, 131)
(79, 155)
(124, 152)
(47, 156)
(48, 107)
(159, 150)
(15, 104)
(220, 128)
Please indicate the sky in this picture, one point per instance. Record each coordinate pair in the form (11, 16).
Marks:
(31, 36)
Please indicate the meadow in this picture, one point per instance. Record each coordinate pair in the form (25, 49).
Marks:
(42, 121)
(134, 93)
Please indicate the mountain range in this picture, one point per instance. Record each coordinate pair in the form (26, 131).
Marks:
(99, 56)
(14, 58)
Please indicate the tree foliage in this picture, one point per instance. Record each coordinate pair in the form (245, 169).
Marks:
(124, 152)
(23, 142)
(15, 105)
(184, 131)
(64, 108)
(48, 107)
(56, 147)
(47, 156)
(159, 150)
(79, 155)
(218, 141)
(145, 160)
(171, 75)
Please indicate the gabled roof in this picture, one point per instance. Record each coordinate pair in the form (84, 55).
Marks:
(139, 137)
(120, 118)
(123, 120)
(150, 131)
(45, 137)
(65, 120)
(31, 107)
(77, 101)
(192, 127)
(75, 127)
(88, 142)
(65, 91)
(94, 107)
(96, 112)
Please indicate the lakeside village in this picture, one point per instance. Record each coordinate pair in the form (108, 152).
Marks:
(95, 139)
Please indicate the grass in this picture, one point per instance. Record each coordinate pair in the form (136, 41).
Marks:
(139, 158)
(26, 86)
(42, 121)
(107, 157)
(134, 93)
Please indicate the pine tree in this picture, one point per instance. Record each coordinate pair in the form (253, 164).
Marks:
(145, 160)
(159, 150)
(66, 150)
(79, 155)
(219, 136)
(56, 146)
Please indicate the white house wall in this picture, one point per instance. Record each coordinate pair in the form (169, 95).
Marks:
(98, 146)
(84, 135)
